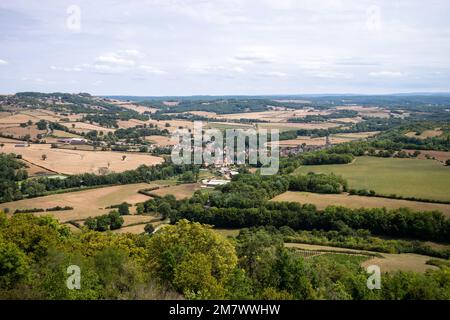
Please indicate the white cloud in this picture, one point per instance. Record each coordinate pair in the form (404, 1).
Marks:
(327, 45)
(275, 74)
(386, 74)
(3, 62)
(150, 69)
(115, 59)
(65, 69)
(330, 74)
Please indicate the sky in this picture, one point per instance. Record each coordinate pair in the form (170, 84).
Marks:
(220, 47)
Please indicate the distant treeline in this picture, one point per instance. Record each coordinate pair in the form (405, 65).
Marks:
(12, 171)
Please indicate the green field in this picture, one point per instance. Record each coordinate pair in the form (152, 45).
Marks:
(406, 177)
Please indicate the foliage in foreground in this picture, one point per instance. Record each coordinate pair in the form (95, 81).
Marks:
(185, 260)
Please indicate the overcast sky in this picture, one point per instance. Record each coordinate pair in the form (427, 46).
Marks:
(187, 47)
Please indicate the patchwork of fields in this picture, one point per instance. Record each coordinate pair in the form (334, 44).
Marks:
(86, 203)
(77, 161)
(386, 261)
(406, 177)
(322, 201)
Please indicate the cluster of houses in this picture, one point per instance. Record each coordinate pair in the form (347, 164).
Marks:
(300, 148)
(73, 141)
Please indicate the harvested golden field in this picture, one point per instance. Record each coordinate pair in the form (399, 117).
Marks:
(162, 141)
(86, 203)
(438, 155)
(322, 201)
(347, 120)
(19, 133)
(34, 170)
(272, 116)
(7, 140)
(77, 161)
(80, 127)
(387, 262)
(312, 141)
(367, 111)
(136, 229)
(180, 192)
(137, 219)
(41, 114)
(134, 107)
(289, 126)
(425, 134)
(18, 118)
(356, 135)
(4, 114)
(33, 115)
(125, 124)
(227, 125)
(401, 262)
(174, 124)
(321, 141)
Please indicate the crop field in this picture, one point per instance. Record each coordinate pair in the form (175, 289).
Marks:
(401, 262)
(64, 134)
(321, 201)
(273, 115)
(387, 261)
(23, 116)
(8, 140)
(174, 124)
(180, 192)
(438, 155)
(86, 203)
(229, 125)
(367, 111)
(425, 134)
(18, 132)
(290, 126)
(34, 170)
(77, 161)
(162, 141)
(83, 127)
(130, 106)
(356, 135)
(320, 141)
(405, 177)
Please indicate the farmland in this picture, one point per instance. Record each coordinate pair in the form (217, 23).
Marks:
(162, 141)
(438, 155)
(406, 177)
(86, 203)
(425, 134)
(321, 201)
(181, 191)
(386, 261)
(77, 161)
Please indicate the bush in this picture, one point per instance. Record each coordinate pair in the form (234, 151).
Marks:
(149, 228)
(124, 209)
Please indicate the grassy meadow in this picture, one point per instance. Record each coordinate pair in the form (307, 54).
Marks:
(406, 177)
